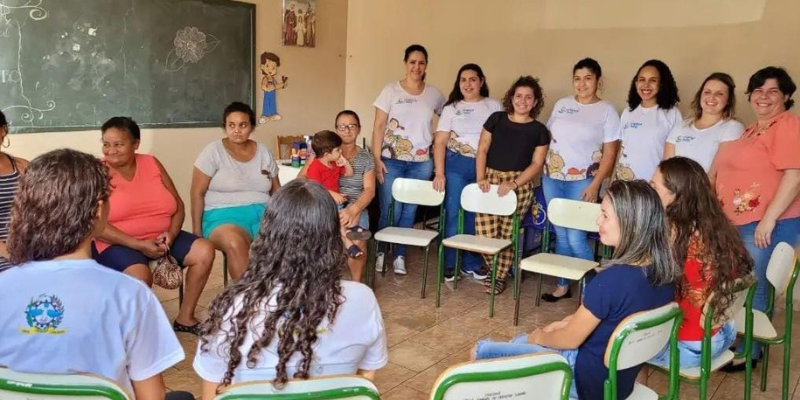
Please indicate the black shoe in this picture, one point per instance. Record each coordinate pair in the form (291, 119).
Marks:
(548, 297)
(450, 276)
(740, 367)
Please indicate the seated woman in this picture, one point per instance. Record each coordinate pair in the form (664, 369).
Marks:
(639, 277)
(710, 250)
(67, 327)
(11, 168)
(232, 182)
(290, 315)
(146, 218)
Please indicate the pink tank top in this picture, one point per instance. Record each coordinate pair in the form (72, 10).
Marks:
(141, 207)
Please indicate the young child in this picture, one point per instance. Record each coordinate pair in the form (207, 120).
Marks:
(326, 168)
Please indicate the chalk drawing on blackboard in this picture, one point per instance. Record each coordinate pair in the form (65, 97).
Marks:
(34, 7)
(190, 46)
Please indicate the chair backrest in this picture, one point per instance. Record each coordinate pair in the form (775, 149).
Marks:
(541, 376)
(781, 265)
(574, 214)
(640, 336)
(415, 191)
(22, 386)
(734, 309)
(474, 200)
(348, 387)
(283, 146)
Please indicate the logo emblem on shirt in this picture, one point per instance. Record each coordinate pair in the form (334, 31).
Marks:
(632, 125)
(564, 109)
(682, 139)
(44, 315)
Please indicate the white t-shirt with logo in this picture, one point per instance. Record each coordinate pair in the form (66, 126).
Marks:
(464, 120)
(644, 132)
(579, 132)
(701, 144)
(356, 340)
(76, 316)
(408, 135)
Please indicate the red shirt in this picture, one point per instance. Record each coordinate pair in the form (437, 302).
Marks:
(327, 175)
(697, 278)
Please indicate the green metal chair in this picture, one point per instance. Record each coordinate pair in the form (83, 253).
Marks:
(541, 376)
(20, 386)
(328, 388)
(782, 272)
(422, 193)
(638, 339)
(701, 375)
(473, 199)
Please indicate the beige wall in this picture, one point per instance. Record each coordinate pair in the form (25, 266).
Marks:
(545, 38)
(314, 94)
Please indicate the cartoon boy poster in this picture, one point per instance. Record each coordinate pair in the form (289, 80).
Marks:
(270, 84)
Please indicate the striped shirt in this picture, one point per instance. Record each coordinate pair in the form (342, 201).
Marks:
(352, 186)
(8, 187)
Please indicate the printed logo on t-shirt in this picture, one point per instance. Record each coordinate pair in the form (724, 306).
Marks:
(406, 101)
(464, 112)
(682, 139)
(44, 315)
(631, 125)
(567, 110)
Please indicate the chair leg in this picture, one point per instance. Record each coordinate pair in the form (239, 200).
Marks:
(764, 367)
(517, 281)
(369, 272)
(224, 269)
(491, 288)
(787, 357)
(703, 385)
(385, 256)
(539, 290)
(439, 274)
(425, 271)
(457, 269)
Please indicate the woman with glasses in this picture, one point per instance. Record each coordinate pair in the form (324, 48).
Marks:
(358, 189)
(233, 180)
(11, 169)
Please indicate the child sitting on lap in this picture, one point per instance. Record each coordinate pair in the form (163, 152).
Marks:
(326, 168)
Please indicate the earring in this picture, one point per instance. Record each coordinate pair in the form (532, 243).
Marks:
(6, 141)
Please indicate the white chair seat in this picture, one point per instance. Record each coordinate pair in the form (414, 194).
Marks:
(640, 392)
(406, 236)
(717, 363)
(558, 266)
(477, 244)
(762, 326)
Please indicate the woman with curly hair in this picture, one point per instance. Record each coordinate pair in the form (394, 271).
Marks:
(711, 251)
(511, 152)
(650, 116)
(290, 315)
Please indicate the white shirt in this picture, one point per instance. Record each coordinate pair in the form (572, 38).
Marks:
(356, 340)
(408, 135)
(701, 144)
(234, 183)
(644, 132)
(73, 316)
(579, 132)
(464, 120)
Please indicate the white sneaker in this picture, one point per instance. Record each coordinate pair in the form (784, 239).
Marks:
(400, 265)
(379, 262)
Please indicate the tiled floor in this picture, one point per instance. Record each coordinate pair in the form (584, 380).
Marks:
(424, 340)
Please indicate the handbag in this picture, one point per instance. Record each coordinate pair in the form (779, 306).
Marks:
(166, 272)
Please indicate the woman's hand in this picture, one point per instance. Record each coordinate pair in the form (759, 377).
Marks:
(338, 198)
(151, 248)
(484, 185)
(380, 169)
(763, 233)
(590, 193)
(349, 216)
(505, 187)
(165, 240)
(439, 183)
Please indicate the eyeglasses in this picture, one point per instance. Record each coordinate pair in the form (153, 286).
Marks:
(347, 127)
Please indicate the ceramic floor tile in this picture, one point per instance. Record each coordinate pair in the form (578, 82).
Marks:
(404, 393)
(415, 356)
(186, 380)
(392, 375)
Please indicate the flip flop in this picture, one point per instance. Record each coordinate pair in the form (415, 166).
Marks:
(354, 252)
(358, 233)
(194, 329)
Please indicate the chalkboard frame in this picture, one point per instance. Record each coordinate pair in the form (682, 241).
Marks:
(23, 129)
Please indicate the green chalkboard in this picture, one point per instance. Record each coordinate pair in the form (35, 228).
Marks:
(72, 64)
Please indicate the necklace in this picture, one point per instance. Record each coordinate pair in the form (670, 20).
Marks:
(759, 131)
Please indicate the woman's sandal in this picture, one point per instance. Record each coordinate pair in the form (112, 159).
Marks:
(354, 252)
(194, 329)
(499, 285)
(358, 233)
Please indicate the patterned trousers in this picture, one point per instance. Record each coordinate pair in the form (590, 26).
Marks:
(501, 226)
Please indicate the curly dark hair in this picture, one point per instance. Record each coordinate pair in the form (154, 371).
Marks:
(785, 83)
(295, 266)
(697, 213)
(55, 208)
(667, 96)
(729, 112)
(538, 94)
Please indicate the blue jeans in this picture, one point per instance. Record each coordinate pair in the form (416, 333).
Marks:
(786, 230)
(689, 351)
(569, 242)
(459, 172)
(519, 346)
(403, 213)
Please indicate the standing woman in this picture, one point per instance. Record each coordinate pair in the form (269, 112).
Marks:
(650, 116)
(585, 133)
(11, 168)
(758, 176)
(401, 140)
(232, 182)
(712, 123)
(454, 152)
(511, 152)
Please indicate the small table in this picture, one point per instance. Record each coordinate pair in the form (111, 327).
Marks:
(286, 172)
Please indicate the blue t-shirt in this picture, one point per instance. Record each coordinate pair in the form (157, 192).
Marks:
(613, 295)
